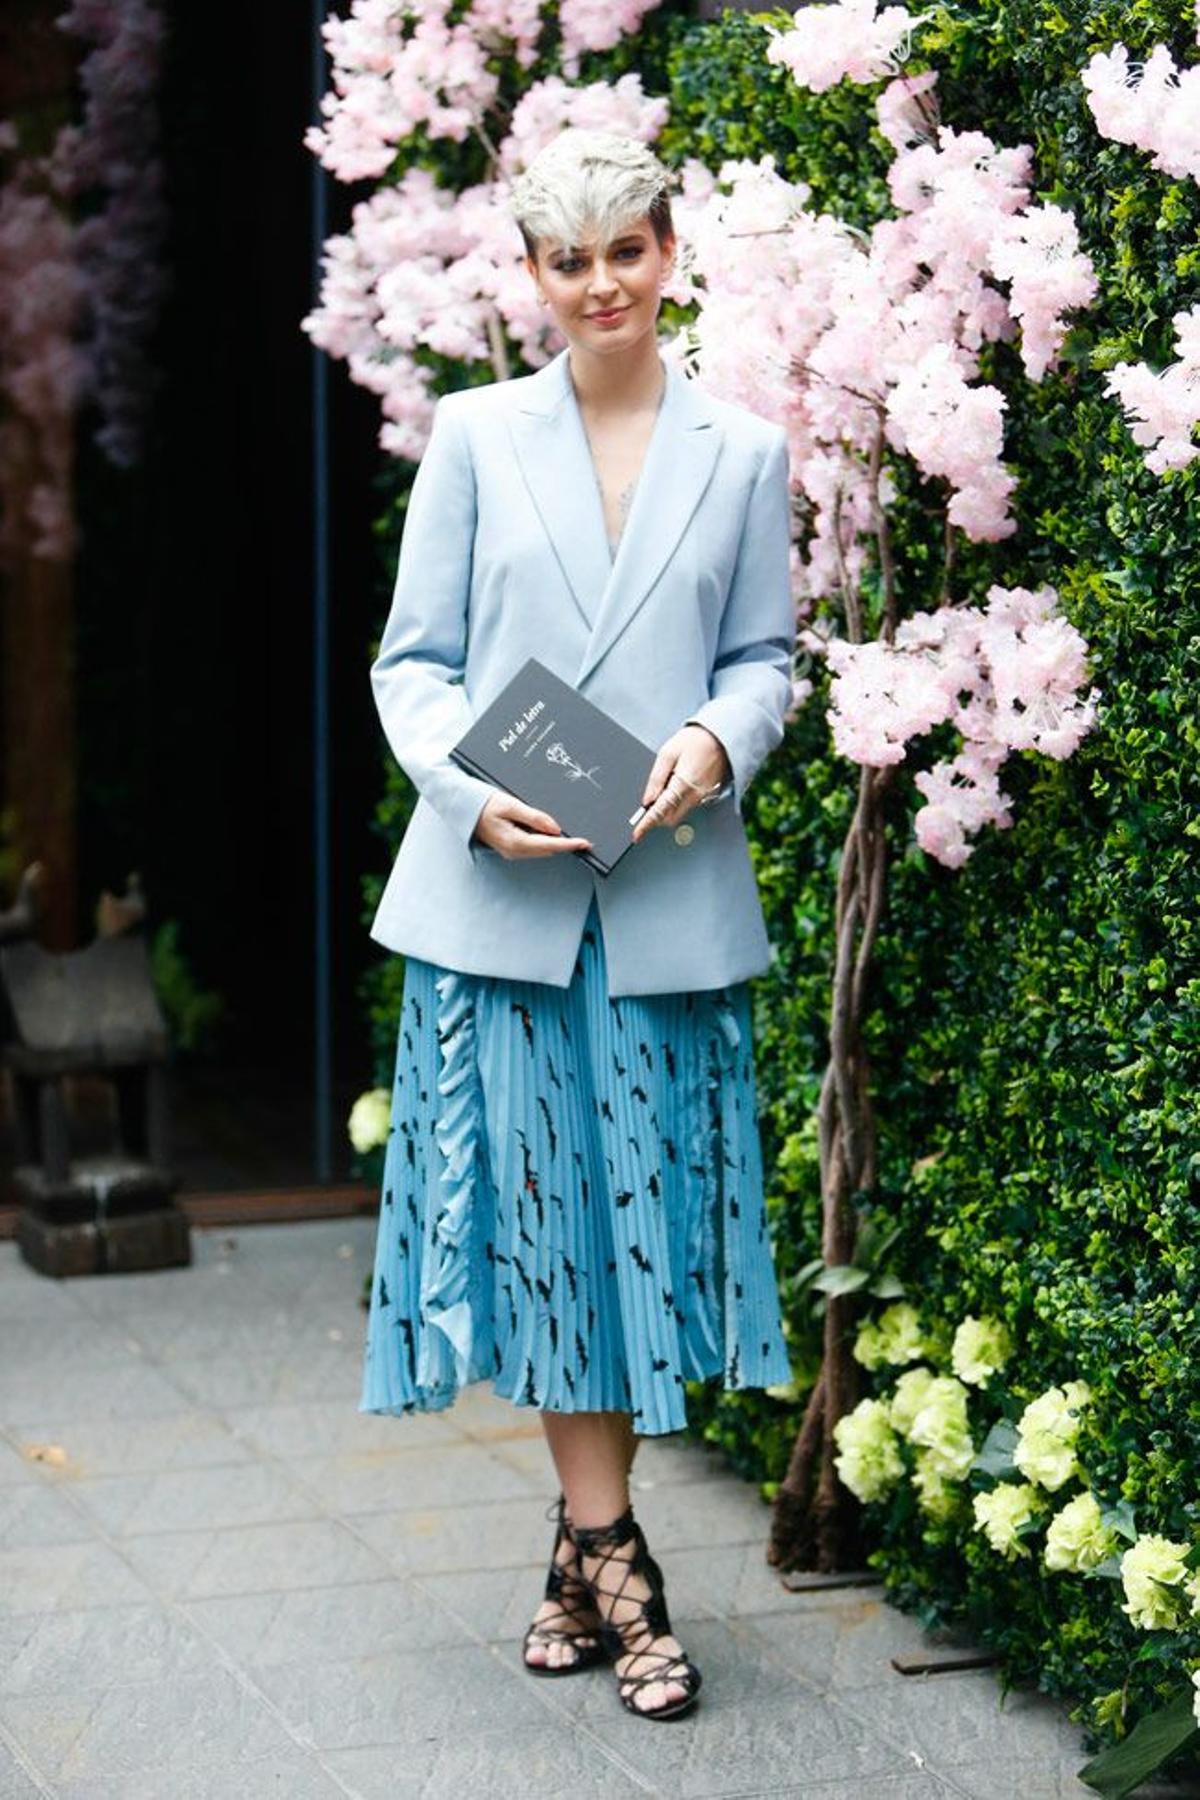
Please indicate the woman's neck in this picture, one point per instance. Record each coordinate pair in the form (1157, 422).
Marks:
(610, 384)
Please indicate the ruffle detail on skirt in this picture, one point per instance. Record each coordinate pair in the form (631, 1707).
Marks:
(716, 1042)
(445, 1345)
(573, 1199)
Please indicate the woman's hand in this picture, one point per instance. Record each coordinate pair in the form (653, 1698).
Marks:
(506, 824)
(691, 764)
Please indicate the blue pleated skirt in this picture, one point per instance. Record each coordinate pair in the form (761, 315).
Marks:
(572, 1200)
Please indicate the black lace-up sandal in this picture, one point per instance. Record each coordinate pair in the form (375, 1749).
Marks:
(574, 1623)
(629, 1642)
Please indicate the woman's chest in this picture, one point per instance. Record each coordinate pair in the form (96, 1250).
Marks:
(617, 459)
(566, 528)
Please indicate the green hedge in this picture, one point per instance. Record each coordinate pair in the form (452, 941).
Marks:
(1035, 1036)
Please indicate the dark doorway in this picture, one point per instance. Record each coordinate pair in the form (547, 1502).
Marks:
(195, 637)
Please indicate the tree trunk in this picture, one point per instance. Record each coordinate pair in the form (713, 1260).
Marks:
(816, 1523)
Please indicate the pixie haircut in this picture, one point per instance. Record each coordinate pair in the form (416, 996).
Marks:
(585, 182)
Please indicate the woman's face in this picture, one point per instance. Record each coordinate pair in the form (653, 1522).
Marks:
(604, 298)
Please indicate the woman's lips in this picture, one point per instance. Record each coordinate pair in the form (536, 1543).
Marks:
(613, 312)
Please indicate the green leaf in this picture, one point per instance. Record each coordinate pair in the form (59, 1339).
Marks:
(842, 1278)
(875, 1239)
(888, 1287)
(1108, 1570)
(995, 1455)
(1118, 1771)
(1120, 1519)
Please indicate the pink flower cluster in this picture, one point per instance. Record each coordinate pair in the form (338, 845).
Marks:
(1156, 109)
(112, 161)
(827, 44)
(400, 66)
(424, 269)
(78, 299)
(43, 372)
(1008, 676)
(543, 110)
(1154, 106)
(835, 333)
(1163, 408)
(597, 25)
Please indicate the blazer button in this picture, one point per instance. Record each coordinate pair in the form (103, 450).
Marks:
(684, 834)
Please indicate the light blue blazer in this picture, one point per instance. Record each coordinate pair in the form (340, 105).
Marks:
(505, 556)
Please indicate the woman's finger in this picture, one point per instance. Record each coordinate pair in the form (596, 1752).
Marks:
(674, 803)
(531, 818)
(519, 843)
(660, 769)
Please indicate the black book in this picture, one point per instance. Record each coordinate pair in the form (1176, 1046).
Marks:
(542, 741)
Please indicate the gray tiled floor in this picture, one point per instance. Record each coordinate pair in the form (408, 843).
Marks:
(220, 1581)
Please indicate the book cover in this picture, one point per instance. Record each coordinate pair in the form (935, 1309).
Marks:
(541, 740)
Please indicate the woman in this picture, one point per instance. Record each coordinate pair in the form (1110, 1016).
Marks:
(573, 1195)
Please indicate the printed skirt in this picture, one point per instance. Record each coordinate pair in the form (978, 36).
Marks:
(572, 1200)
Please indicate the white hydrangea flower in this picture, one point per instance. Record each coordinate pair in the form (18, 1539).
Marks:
(1046, 1433)
(935, 1494)
(980, 1347)
(868, 1345)
(1151, 1561)
(941, 1427)
(900, 1332)
(1077, 1538)
(894, 1338)
(908, 1397)
(998, 1515)
(1196, 1695)
(868, 1458)
(370, 1117)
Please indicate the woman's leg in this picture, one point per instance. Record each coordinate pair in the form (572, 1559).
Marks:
(620, 1428)
(593, 1453)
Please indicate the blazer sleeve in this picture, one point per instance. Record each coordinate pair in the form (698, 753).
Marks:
(417, 676)
(751, 685)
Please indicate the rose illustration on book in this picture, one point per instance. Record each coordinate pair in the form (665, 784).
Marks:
(574, 772)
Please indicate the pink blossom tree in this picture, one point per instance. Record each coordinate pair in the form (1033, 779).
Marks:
(867, 348)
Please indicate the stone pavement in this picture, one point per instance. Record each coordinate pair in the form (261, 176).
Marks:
(220, 1581)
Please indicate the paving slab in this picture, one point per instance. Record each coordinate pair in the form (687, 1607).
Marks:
(220, 1581)
(98, 1647)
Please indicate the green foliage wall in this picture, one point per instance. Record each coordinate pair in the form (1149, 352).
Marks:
(1035, 1034)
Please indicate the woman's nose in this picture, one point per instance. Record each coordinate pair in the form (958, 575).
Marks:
(603, 279)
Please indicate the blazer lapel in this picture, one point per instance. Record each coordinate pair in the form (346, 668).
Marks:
(678, 465)
(552, 452)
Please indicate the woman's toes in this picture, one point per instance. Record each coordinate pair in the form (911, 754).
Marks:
(658, 1694)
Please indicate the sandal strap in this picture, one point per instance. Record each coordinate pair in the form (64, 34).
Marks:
(679, 1669)
(610, 1583)
(564, 1584)
(590, 1539)
(651, 1620)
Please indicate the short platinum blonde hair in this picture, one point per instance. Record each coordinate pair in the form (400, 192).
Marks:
(586, 181)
